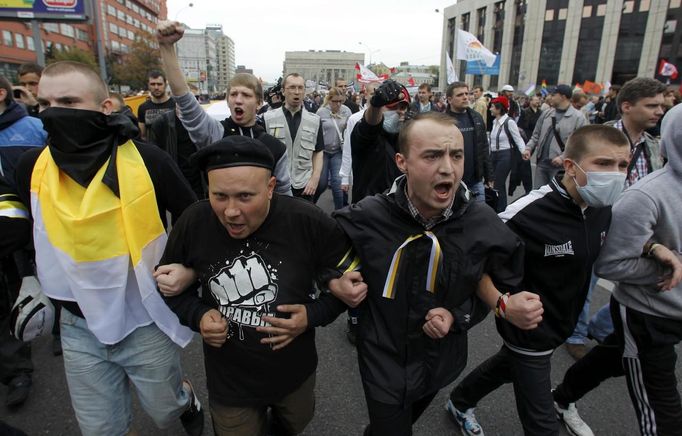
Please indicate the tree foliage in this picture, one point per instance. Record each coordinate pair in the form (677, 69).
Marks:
(74, 53)
(131, 68)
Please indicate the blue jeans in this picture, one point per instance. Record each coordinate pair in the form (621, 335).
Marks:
(478, 190)
(579, 335)
(601, 324)
(501, 161)
(99, 377)
(330, 177)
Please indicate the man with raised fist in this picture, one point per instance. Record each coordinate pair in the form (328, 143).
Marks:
(374, 140)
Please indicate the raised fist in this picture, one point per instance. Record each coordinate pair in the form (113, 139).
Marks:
(169, 32)
(245, 283)
(388, 92)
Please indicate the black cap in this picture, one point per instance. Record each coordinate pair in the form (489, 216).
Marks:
(564, 90)
(234, 151)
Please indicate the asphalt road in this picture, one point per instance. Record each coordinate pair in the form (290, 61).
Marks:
(340, 401)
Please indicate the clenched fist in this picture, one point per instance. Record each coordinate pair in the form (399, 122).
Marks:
(169, 32)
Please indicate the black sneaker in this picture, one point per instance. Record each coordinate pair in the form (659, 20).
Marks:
(193, 418)
(17, 390)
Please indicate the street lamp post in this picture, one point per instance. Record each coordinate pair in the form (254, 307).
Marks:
(182, 9)
(370, 51)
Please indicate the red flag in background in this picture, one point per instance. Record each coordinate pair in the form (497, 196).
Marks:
(667, 69)
(591, 88)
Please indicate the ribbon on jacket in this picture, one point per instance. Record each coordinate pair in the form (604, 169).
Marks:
(435, 259)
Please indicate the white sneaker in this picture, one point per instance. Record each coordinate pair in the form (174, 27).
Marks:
(466, 420)
(572, 421)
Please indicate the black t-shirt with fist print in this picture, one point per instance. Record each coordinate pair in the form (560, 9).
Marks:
(247, 278)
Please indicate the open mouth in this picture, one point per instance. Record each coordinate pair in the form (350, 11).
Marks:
(443, 190)
(238, 111)
(235, 228)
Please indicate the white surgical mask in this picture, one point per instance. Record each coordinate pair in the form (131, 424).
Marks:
(602, 188)
(391, 122)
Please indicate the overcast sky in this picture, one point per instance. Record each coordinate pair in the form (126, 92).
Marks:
(262, 30)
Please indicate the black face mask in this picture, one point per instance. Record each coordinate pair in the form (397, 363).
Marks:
(81, 141)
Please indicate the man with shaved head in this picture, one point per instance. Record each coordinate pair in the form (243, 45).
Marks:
(424, 246)
(99, 202)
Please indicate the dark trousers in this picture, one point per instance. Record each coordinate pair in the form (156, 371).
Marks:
(649, 360)
(601, 363)
(15, 356)
(526, 175)
(532, 388)
(299, 193)
(394, 419)
(501, 167)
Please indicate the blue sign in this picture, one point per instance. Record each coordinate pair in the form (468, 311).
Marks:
(479, 67)
(43, 9)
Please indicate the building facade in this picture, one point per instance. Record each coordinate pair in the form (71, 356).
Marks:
(241, 69)
(191, 50)
(225, 63)
(562, 41)
(121, 22)
(415, 75)
(323, 66)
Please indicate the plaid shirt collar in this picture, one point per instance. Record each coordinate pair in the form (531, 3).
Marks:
(431, 222)
(619, 126)
(641, 167)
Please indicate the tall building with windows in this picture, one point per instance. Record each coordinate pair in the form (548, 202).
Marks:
(206, 58)
(193, 59)
(225, 63)
(121, 22)
(566, 41)
(323, 66)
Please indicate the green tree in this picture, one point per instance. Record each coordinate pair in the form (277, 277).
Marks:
(131, 68)
(73, 53)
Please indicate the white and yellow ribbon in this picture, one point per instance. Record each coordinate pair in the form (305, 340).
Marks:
(11, 207)
(432, 273)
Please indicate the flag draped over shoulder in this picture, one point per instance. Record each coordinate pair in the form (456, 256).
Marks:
(100, 250)
(470, 48)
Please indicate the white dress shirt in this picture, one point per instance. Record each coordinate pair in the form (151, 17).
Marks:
(498, 136)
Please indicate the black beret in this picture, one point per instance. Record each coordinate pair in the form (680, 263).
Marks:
(234, 151)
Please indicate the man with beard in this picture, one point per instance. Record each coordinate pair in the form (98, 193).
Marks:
(244, 96)
(99, 202)
(374, 140)
(158, 104)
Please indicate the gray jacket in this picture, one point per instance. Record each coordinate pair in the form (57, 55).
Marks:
(648, 211)
(572, 120)
(204, 131)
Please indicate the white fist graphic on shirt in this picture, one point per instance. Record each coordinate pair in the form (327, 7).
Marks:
(245, 283)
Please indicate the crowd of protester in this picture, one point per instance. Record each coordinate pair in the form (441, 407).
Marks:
(428, 235)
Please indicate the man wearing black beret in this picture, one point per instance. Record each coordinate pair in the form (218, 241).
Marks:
(255, 254)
